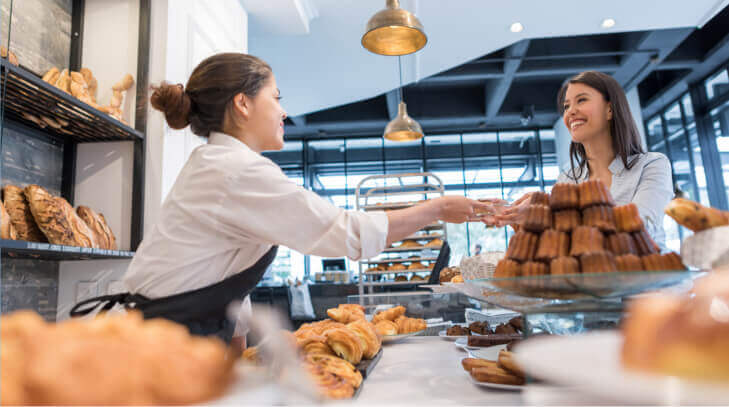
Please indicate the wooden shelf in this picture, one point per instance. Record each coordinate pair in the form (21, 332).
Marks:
(27, 94)
(19, 249)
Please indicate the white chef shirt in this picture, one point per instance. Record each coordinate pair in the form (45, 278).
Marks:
(228, 206)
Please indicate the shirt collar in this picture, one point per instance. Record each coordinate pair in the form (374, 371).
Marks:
(222, 139)
(617, 166)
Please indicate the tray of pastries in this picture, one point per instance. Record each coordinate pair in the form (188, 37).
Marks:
(393, 325)
(575, 243)
(337, 353)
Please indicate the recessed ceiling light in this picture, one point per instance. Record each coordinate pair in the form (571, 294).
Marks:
(608, 23)
(517, 28)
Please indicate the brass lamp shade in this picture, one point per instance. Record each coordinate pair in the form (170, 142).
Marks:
(394, 31)
(403, 127)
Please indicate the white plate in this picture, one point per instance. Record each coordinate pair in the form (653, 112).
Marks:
(463, 344)
(592, 363)
(443, 334)
(511, 387)
(400, 337)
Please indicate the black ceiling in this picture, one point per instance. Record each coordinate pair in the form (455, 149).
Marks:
(516, 87)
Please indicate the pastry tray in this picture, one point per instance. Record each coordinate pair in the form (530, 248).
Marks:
(374, 273)
(400, 260)
(586, 285)
(410, 249)
(365, 367)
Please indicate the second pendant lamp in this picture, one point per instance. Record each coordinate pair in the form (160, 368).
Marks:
(402, 127)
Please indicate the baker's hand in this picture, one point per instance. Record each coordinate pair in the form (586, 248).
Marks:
(459, 209)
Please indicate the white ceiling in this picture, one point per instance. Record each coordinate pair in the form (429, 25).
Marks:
(319, 62)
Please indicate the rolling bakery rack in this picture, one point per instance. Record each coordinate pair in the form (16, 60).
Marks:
(408, 262)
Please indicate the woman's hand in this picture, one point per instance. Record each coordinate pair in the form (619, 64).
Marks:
(514, 215)
(459, 209)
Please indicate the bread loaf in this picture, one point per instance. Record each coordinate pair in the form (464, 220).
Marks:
(109, 233)
(21, 216)
(57, 219)
(93, 221)
(7, 230)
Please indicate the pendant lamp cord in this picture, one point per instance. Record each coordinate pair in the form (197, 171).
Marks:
(399, 67)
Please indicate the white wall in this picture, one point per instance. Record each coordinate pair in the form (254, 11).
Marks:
(196, 30)
(183, 33)
(563, 138)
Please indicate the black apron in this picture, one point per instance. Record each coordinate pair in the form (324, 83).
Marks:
(203, 311)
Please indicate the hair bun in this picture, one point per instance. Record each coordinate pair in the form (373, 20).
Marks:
(174, 102)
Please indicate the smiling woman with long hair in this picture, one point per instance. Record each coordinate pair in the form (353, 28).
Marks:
(606, 146)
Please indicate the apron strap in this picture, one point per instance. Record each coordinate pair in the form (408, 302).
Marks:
(126, 299)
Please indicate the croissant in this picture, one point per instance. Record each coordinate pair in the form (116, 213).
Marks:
(317, 348)
(338, 367)
(307, 337)
(353, 307)
(367, 333)
(389, 314)
(319, 327)
(345, 315)
(407, 325)
(251, 355)
(328, 385)
(385, 328)
(345, 344)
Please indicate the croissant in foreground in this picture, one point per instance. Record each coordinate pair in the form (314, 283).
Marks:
(121, 360)
(695, 216)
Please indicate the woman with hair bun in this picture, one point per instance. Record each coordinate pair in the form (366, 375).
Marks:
(230, 207)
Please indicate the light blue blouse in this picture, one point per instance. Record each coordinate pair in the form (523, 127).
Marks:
(648, 185)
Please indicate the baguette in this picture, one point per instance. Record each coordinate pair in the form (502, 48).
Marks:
(21, 216)
(506, 362)
(7, 230)
(496, 375)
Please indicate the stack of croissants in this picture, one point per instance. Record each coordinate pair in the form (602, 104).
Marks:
(32, 214)
(331, 348)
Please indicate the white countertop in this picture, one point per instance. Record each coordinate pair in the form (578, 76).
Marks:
(427, 370)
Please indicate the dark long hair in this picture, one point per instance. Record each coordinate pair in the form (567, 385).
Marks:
(210, 91)
(623, 131)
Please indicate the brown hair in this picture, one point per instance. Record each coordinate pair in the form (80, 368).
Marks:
(623, 131)
(207, 98)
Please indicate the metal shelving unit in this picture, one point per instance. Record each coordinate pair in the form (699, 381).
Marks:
(392, 192)
(19, 249)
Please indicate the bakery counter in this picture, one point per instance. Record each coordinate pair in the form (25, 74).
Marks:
(427, 370)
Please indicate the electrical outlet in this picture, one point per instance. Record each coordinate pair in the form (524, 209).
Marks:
(115, 287)
(86, 290)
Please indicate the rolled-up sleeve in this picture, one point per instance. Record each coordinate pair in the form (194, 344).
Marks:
(264, 205)
(653, 192)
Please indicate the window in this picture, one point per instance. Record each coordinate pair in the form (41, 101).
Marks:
(478, 165)
(720, 126)
(673, 133)
(717, 85)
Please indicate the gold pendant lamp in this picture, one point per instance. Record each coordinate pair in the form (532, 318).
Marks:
(402, 127)
(394, 31)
